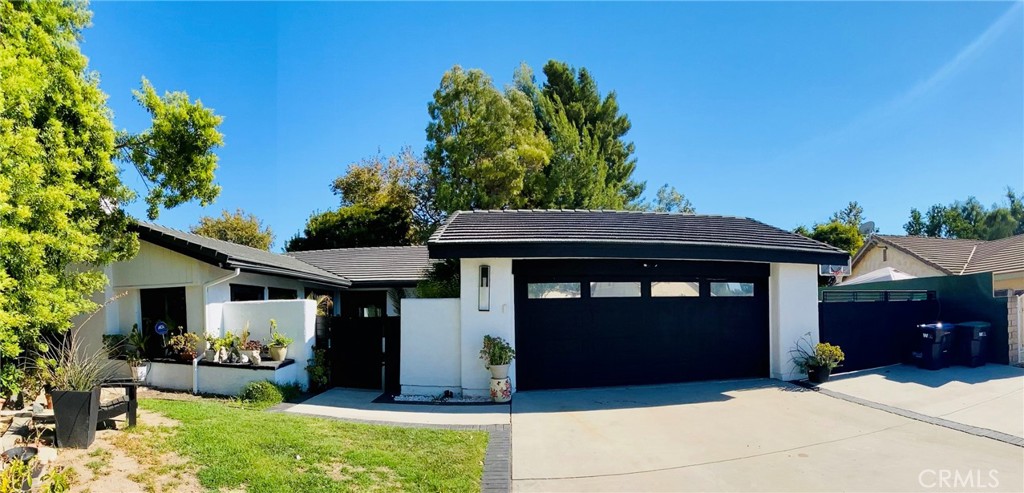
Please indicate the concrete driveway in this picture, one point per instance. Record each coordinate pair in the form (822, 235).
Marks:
(755, 435)
(990, 396)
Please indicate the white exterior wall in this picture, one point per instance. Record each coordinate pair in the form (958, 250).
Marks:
(295, 319)
(226, 380)
(793, 313)
(431, 359)
(475, 324)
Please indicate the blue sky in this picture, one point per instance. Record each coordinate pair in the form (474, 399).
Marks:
(782, 112)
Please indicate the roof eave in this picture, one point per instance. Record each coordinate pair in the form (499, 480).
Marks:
(441, 250)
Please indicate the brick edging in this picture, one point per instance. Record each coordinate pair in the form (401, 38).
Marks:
(945, 423)
(497, 473)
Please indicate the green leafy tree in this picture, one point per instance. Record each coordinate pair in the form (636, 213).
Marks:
(916, 226)
(60, 190)
(237, 227)
(354, 226)
(970, 219)
(591, 164)
(852, 214)
(482, 144)
(838, 234)
(668, 199)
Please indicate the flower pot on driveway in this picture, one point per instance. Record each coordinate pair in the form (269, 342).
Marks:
(818, 374)
(498, 371)
(278, 353)
(75, 414)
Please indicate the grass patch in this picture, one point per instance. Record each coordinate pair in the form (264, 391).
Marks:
(100, 461)
(236, 447)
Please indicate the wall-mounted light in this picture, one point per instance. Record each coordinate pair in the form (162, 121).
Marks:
(885, 254)
(485, 288)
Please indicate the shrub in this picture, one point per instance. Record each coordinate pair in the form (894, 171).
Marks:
(319, 369)
(496, 351)
(290, 391)
(261, 392)
(184, 346)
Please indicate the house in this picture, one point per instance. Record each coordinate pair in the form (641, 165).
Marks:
(598, 298)
(209, 286)
(380, 276)
(921, 256)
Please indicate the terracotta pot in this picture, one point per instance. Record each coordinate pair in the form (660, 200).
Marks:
(49, 401)
(278, 353)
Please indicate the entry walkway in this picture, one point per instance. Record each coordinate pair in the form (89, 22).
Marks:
(358, 405)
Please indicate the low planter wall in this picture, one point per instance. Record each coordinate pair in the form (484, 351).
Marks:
(220, 379)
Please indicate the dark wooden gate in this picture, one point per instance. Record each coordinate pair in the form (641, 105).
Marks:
(874, 328)
(366, 353)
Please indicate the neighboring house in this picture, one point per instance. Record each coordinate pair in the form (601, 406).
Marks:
(922, 256)
(595, 298)
(381, 276)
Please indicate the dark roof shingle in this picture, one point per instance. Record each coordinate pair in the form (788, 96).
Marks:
(229, 255)
(371, 266)
(581, 233)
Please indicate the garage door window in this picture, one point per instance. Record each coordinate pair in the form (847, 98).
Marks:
(615, 290)
(552, 290)
(732, 289)
(675, 289)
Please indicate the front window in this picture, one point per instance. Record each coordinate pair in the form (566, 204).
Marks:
(732, 289)
(675, 289)
(615, 289)
(552, 290)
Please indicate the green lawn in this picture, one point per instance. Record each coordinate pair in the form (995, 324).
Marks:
(236, 447)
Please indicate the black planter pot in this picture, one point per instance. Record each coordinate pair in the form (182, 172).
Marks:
(75, 414)
(818, 374)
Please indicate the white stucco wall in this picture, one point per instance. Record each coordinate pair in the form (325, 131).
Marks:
(295, 319)
(475, 324)
(793, 312)
(431, 346)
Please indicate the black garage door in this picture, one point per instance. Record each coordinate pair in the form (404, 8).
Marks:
(592, 323)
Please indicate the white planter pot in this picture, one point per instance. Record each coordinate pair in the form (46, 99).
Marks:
(278, 353)
(210, 355)
(498, 371)
(501, 389)
(140, 372)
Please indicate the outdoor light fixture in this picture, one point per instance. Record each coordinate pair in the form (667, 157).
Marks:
(485, 288)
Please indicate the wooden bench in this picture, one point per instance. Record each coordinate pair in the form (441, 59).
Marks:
(126, 404)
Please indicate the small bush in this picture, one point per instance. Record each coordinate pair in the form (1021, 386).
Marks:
(261, 392)
(290, 391)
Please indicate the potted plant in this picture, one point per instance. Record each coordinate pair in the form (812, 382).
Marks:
(497, 355)
(184, 346)
(135, 353)
(278, 343)
(74, 375)
(817, 361)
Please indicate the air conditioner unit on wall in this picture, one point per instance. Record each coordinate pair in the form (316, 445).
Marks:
(1002, 293)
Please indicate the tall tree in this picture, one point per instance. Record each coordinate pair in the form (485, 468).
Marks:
(852, 214)
(592, 164)
(482, 143)
(354, 226)
(60, 190)
(237, 227)
(970, 219)
(668, 199)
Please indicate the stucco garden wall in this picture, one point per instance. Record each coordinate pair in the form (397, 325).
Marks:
(793, 314)
(431, 346)
(295, 319)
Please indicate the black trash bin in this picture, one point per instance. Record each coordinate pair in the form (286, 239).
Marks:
(933, 346)
(971, 343)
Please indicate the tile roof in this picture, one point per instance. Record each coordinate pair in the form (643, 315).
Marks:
(229, 255)
(955, 256)
(622, 233)
(367, 266)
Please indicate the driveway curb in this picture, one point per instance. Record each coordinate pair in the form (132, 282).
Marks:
(945, 423)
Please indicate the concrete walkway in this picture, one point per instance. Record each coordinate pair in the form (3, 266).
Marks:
(990, 396)
(755, 435)
(358, 405)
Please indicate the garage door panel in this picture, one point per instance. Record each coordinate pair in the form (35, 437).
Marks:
(591, 341)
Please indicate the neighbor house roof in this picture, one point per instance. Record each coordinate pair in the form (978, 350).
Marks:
(878, 275)
(227, 255)
(623, 234)
(371, 267)
(954, 256)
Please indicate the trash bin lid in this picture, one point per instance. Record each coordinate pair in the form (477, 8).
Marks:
(936, 325)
